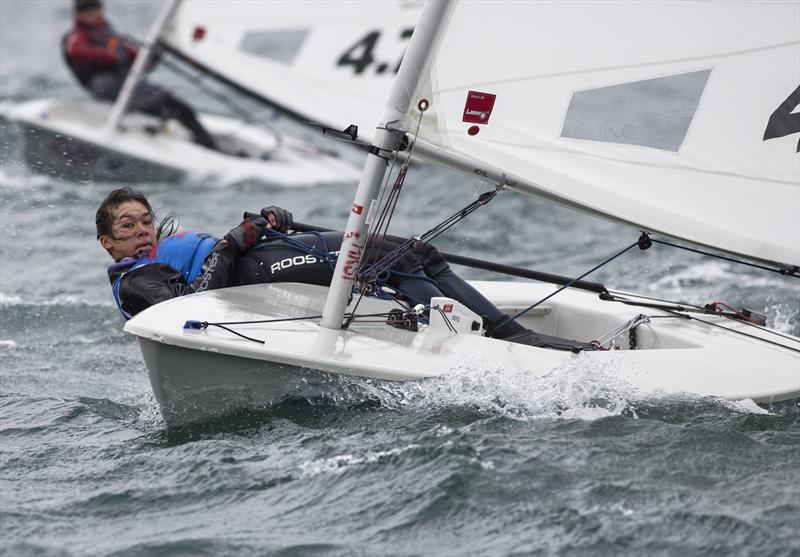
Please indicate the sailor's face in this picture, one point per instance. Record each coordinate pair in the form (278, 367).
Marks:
(133, 231)
(90, 16)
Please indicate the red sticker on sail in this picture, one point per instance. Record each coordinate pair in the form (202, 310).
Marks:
(478, 108)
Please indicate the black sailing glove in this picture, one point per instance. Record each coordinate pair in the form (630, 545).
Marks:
(247, 234)
(279, 219)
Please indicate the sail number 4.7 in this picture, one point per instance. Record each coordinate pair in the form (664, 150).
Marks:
(364, 53)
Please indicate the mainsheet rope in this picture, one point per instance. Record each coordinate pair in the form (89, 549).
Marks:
(643, 243)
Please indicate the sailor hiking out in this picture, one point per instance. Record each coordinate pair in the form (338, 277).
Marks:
(153, 263)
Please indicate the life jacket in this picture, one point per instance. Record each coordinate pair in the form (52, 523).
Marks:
(99, 36)
(185, 252)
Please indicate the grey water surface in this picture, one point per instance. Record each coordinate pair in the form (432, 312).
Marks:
(482, 462)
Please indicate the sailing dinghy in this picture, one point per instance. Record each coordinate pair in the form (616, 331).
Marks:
(89, 140)
(648, 114)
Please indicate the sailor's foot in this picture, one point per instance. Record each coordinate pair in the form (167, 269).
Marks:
(512, 331)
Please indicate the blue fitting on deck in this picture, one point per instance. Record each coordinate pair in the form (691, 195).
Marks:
(194, 324)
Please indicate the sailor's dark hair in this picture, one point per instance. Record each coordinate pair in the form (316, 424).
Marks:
(104, 217)
(81, 5)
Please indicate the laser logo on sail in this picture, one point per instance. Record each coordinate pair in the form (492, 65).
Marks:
(478, 108)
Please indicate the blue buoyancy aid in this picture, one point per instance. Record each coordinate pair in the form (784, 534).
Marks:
(185, 252)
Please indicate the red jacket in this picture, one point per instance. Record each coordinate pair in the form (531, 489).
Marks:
(92, 49)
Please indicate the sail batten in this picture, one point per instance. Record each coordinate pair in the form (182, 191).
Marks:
(592, 70)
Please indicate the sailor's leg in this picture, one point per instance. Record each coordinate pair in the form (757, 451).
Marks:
(415, 286)
(105, 86)
(457, 288)
(153, 100)
(497, 323)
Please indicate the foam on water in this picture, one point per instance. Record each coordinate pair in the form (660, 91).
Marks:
(577, 389)
(340, 463)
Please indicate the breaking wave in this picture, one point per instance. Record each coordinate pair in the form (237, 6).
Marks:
(577, 389)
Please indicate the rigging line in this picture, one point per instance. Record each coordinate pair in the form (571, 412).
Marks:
(239, 110)
(450, 326)
(381, 226)
(593, 269)
(391, 200)
(399, 180)
(643, 297)
(697, 309)
(261, 321)
(480, 264)
(235, 333)
(790, 271)
(286, 319)
(735, 331)
(377, 228)
(302, 247)
(411, 244)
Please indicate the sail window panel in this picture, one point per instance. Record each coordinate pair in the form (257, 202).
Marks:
(653, 113)
(281, 46)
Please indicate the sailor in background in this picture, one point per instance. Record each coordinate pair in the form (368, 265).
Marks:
(153, 263)
(100, 59)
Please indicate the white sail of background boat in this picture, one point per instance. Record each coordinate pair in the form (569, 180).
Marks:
(675, 117)
(326, 62)
(93, 140)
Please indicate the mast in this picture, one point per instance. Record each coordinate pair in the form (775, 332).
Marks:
(421, 49)
(142, 58)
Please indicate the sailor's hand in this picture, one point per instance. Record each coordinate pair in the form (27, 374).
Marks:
(247, 234)
(278, 219)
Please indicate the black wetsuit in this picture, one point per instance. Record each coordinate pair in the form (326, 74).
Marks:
(172, 270)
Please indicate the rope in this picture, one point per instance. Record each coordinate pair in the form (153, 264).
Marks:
(590, 271)
(198, 82)
(674, 308)
(738, 332)
(202, 325)
(388, 260)
(325, 255)
(381, 226)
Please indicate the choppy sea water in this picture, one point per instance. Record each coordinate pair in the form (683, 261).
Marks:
(481, 462)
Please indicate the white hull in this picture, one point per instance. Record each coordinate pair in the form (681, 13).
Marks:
(69, 140)
(197, 375)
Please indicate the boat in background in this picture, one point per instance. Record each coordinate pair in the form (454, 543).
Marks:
(67, 139)
(91, 140)
(625, 118)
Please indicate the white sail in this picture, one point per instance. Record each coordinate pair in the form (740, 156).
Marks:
(327, 62)
(652, 113)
